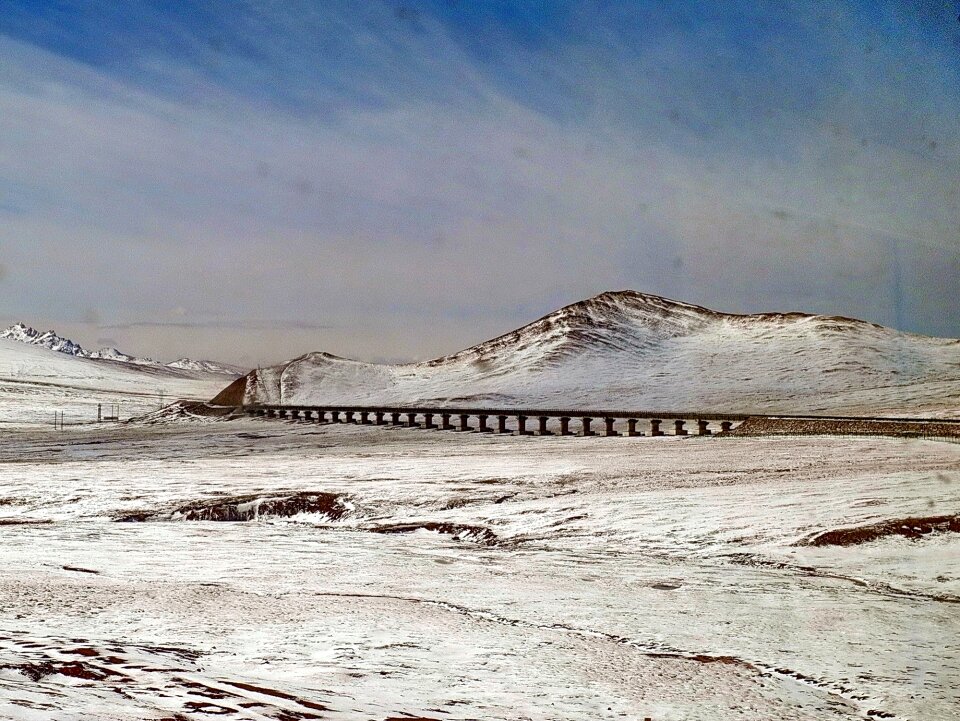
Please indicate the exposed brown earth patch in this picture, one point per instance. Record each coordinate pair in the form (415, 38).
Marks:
(111, 669)
(277, 694)
(912, 528)
(248, 508)
(233, 394)
(74, 669)
(459, 532)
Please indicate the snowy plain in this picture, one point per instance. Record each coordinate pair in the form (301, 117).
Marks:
(178, 567)
(460, 576)
(36, 382)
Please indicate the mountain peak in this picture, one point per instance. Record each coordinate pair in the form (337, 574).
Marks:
(625, 349)
(613, 319)
(205, 366)
(48, 339)
(23, 333)
(632, 304)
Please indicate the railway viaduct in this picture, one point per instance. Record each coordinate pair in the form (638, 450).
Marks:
(560, 422)
(492, 420)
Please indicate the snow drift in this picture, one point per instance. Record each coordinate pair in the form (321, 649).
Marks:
(634, 351)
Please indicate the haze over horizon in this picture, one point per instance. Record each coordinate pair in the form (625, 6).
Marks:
(399, 180)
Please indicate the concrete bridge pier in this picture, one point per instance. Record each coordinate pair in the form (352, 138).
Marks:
(702, 429)
(585, 422)
(609, 430)
(464, 423)
(428, 421)
(412, 420)
(349, 417)
(565, 426)
(542, 429)
(395, 419)
(678, 429)
(522, 426)
(445, 424)
(655, 427)
(335, 417)
(307, 416)
(282, 414)
(502, 424)
(378, 418)
(364, 418)
(321, 416)
(632, 431)
(725, 426)
(482, 426)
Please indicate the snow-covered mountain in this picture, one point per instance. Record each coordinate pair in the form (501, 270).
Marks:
(205, 366)
(52, 341)
(49, 339)
(632, 350)
(114, 355)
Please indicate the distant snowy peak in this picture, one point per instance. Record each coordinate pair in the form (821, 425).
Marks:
(205, 366)
(114, 355)
(49, 339)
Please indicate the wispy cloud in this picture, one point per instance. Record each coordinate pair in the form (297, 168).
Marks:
(232, 325)
(397, 183)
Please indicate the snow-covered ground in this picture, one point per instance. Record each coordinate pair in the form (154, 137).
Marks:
(636, 351)
(180, 568)
(36, 382)
(550, 578)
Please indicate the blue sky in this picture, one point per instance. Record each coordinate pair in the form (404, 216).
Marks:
(395, 180)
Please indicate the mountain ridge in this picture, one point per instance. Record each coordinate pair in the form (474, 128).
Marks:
(629, 348)
(51, 340)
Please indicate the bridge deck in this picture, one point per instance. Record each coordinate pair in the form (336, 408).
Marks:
(587, 413)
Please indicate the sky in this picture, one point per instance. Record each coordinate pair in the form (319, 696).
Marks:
(393, 180)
